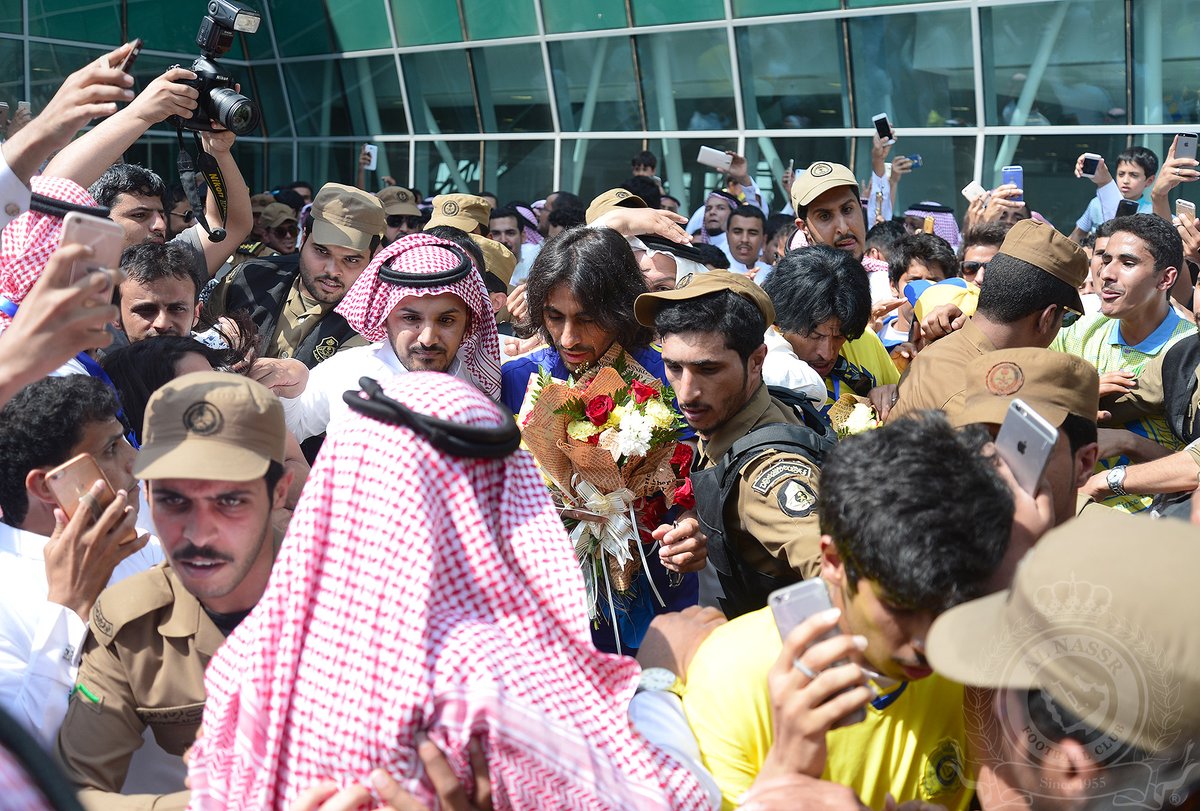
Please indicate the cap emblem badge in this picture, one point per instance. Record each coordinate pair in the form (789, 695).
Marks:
(203, 418)
(449, 208)
(820, 169)
(1004, 379)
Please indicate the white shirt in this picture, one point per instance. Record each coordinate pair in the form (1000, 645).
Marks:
(319, 408)
(659, 716)
(784, 368)
(41, 642)
(14, 195)
(737, 267)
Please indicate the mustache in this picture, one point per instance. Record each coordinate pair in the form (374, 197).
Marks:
(327, 278)
(429, 348)
(193, 552)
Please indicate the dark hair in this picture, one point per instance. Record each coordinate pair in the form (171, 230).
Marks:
(567, 217)
(274, 473)
(1145, 159)
(125, 178)
(1105, 229)
(991, 234)
(565, 199)
(1161, 238)
(883, 237)
(644, 188)
(778, 222)
(140, 369)
(173, 194)
(645, 158)
(290, 198)
(376, 239)
(735, 317)
(753, 212)
(597, 266)
(295, 184)
(40, 427)
(1014, 289)
(510, 210)
(149, 262)
(811, 285)
(924, 549)
(1079, 431)
(678, 202)
(712, 255)
(927, 248)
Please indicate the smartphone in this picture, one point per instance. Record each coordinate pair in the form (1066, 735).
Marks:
(917, 161)
(1016, 176)
(973, 190)
(1024, 442)
(1185, 211)
(716, 158)
(373, 151)
(1185, 147)
(792, 605)
(3, 113)
(24, 105)
(105, 237)
(73, 479)
(127, 64)
(1127, 208)
(1091, 162)
(884, 128)
(791, 165)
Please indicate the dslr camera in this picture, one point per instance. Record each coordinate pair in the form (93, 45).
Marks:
(219, 102)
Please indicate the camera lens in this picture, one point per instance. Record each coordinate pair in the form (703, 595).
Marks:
(234, 111)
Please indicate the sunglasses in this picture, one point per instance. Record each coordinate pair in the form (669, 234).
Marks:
(404, 220)
(973, 267)
(285, 230)
(187, 216)
(1070, 316)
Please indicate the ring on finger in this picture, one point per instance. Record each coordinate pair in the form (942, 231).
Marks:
(803, 668)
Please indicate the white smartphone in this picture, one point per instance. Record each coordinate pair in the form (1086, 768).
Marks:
(884, 128)
(1091, 162)
(1024, 443)
(716, 158)
(792, 605)
(24, 105)
(105, 237)
(373, 151)
(973, 191)
(1185, 210)
(1185, 147)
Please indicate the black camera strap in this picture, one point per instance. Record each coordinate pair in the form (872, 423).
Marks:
(212, 176)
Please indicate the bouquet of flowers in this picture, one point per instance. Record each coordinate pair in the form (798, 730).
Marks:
(852, 414)
(610, 453)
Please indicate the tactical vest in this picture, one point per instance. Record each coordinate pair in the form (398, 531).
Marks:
(1179, 387)
(262, 286)
(745, 588)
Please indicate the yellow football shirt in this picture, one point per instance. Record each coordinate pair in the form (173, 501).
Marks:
(866, 355)
(914, 748)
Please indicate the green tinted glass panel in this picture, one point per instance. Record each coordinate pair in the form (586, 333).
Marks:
(158, 154)
(10, 16)
(12, 75)
(511, 85)
(261, 83)
(167, 32)
(321, 163)
(69, 19)
(1084, 79)
(48, 65)
(448, 167)
(784, 87)
(489, 19)
(686, 80)
(762, 8)
(304, 27)
(591, 166)
(656, 12)
(562, 16)
(769, 157)
(425, 22)
(867, 3)
(392, 166)
(928, 79)
(274, 170)
(346, 97)
(948, 164)
(1166, 32)
(594, 84)
(1048, 163)
(518, 170)
(440, 92)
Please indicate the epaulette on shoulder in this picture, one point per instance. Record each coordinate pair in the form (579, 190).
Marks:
(134, 597)
(248, 248)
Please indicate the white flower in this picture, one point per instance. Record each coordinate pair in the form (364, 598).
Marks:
(633, 437)
(660, 413)
(862, 418)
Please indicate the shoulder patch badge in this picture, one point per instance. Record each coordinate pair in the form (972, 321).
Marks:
(325, 349)
(773, 474)
(797, 499)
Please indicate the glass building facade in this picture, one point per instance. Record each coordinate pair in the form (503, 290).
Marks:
(521, 97)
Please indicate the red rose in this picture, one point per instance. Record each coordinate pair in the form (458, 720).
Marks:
(642, 392)
(594, 439)
(651, 511)
(599, 408)
(681, 460)
(684, 496)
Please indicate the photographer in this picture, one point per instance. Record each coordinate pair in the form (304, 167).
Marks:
(90, 156)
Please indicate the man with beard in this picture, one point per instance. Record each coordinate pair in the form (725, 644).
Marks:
(291, 299)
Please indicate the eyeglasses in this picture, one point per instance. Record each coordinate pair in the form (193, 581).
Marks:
(285, 230)
(405, 221)
(187, 216)
(1070, 316)
(973, 267)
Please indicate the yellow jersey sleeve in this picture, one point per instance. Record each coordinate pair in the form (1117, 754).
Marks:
(867, 352)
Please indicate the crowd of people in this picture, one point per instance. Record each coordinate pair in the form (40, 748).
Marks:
(280, 527)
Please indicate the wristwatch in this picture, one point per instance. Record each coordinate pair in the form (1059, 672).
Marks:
(1116, 481)
(658, 679)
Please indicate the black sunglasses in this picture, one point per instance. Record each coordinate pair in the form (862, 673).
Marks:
(404, 220)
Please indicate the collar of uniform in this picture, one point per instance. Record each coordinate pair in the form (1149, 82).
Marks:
(302, 304)
(1154, 342)
(186, 618)
(737, 426)
(974, 335)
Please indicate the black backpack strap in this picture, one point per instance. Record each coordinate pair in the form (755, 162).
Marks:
(1179, 386)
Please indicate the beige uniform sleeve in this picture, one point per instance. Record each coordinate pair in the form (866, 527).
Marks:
(777, 503)
(101, 732)
(1144, 401)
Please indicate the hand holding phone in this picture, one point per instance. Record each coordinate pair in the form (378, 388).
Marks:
(1185, 211)
(716, 158)
(1089, 164)
(1185, 145)
(104, 236)
(1024, 443)
(79, 483)
(973, 190)
(1016, 176)
(127, 63)
(372, 153)
(884, 128)
(1127, 208)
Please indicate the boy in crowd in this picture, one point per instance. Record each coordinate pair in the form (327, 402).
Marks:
(1136, 169)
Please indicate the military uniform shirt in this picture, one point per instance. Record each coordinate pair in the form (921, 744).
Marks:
(937, 376)
(772, 523)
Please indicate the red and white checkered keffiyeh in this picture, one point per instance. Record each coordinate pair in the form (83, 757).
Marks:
(416, 591)
(370, 300)
(31, 238)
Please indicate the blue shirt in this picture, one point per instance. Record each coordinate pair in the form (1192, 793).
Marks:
(514, 375)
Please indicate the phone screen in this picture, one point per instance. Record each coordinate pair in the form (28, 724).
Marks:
(883, 126)
(1127, 208)
(1016, 176)
(1090, 164)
